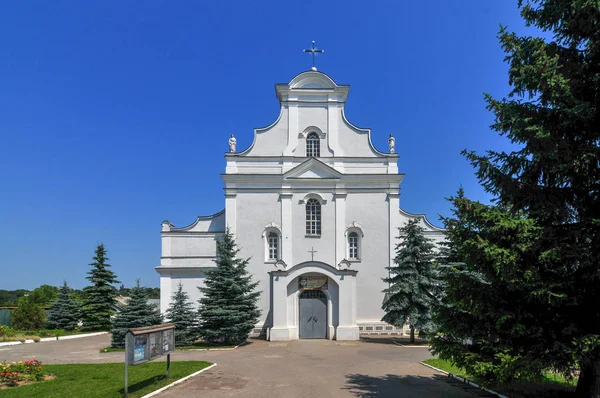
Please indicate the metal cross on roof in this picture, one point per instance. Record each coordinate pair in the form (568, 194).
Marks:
(314, 50)
(312, 251)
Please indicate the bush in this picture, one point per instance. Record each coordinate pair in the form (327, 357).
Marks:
(7, 331)
(28, 315)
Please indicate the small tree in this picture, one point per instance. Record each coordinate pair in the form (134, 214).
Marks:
(413, 284)
(65, 311)
(136, 313)
(100, 296)
(28, 315)
(228, 310)
(182, 314)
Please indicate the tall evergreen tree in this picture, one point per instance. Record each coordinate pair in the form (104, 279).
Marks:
(488, 280)
(183, 315)
(552, 180)
(65, 312)
(136, 313)
(228, 310)
(100, 296)
(413, 283)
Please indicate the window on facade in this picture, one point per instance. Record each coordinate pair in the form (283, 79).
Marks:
(353, 245)
(313, 146)
(273, 242)
(313, 217)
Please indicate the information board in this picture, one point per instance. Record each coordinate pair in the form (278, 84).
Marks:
(145, 344)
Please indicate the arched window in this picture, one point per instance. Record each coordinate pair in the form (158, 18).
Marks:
(353, 246)
(273, 246)
(313, 146)
(313, 217)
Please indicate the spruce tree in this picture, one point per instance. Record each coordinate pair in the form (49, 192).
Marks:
(413, 284)
(228, 310)
(488, 282)
(136, 313)
(65, 312)
(547, 193)
(100, 296)
(183, 315)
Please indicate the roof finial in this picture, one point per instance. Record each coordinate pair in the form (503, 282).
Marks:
(314, 51)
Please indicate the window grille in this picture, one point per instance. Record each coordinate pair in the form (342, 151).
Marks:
(313, 146)
(273, 246)
(313, 217)
(353, 245)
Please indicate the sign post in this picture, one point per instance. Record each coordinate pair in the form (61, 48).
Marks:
(146, 344)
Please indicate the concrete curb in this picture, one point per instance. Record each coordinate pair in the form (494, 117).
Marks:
(412, 346)
(46, 339)
(215, 349)
(153, 393)
(467, 381)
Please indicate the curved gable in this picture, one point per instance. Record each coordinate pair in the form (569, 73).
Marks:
(213, 223)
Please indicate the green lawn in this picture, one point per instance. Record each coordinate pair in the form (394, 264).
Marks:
(550, 385)
(195, 346)
(104, 380)
(448, 367)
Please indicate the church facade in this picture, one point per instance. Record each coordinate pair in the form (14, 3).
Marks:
(316, 208)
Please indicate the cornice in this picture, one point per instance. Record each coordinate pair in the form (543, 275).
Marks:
(162, 269)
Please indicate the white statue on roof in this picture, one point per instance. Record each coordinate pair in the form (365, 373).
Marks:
(392, 143)
(232, 143)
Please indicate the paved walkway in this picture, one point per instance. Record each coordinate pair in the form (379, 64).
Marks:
(304, 368)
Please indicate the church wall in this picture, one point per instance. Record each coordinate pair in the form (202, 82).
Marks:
(311, 116)
(169, 283)
(189, 249)
(370, 210)
(210, 224)
(255, 211)
(351, 142)
(273, 140)
(323, 245)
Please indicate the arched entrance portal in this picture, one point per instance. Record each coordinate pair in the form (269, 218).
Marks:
(336, 304)
(313, 315)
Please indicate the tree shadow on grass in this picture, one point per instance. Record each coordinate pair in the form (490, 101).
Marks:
(365, 386)
(391, 340)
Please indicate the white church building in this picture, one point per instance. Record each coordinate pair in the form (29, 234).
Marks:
(316, 208)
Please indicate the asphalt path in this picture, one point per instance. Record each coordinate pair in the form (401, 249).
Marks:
(303, 368)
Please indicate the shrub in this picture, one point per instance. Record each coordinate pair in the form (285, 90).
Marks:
(28, 315)
(7, 331)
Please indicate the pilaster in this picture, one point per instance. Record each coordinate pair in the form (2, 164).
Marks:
(340, 226)
(285, 200)
(393, 199)
(231, 211)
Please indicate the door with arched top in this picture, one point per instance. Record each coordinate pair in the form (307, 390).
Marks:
(313, 315)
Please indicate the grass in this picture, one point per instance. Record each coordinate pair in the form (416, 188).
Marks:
(196, 346)
(448, 367)
(551, 384)
(104, 380)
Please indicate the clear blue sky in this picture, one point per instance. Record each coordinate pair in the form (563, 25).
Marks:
(114, 115)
